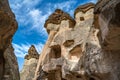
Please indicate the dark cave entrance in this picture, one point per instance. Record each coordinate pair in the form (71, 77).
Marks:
(55, 51)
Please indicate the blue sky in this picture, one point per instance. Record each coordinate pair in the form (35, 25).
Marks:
(31, 16)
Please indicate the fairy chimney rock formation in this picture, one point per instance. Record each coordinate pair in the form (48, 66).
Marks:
(57, 23)
(84, 48)
(30, 64)
(56, 18)
(84, 12)
(67, 45)
(32, 53)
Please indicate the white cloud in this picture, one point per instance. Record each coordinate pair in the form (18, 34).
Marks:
(22, 49)
(38, 20)
(67, 6)
(28, 16)
(31, 3)
(94, 1)
(33, 18)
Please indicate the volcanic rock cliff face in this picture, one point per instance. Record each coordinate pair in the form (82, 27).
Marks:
(8, 26)
(30, 64)
(84, 48)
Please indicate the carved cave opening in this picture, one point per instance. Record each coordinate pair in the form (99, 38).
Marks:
(82, 19)
(75, 53)
(55, 51)
(68, 43)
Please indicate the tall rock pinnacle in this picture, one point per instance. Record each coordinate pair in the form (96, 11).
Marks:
(32, 53)
(30, 64)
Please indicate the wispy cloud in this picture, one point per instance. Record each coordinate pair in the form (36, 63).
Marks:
(65, 5)
(93, 1)
(28, 16)
(32, 18)
(31, 3)
(22, 49)
(38, 20)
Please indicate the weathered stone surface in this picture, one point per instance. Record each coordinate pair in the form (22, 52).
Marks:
(8, 27)
(89, 50)
(32, 53)
(8, 24)
(57, 17)
(11, 66)
(107, 12)
(30, 64)
(59, 21)
(84, 8)
(65, 48)
(109, 24)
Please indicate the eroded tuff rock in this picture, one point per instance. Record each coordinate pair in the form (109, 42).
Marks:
(8, 26)
(11, 66)
(32, 53)
(30, 64)
(89, 50)
(66, 47)
(56, 18)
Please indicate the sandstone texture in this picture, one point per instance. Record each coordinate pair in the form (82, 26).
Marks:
(8, 26)
(30, 64)
(84, 48)
(11, 66)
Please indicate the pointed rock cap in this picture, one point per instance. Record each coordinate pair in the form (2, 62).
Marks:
(57, 17)
(32, 53)
(84, 8)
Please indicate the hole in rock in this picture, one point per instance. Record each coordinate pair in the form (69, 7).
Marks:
(68, 43)
(55, 51)
(75, 53)
(82, 19)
